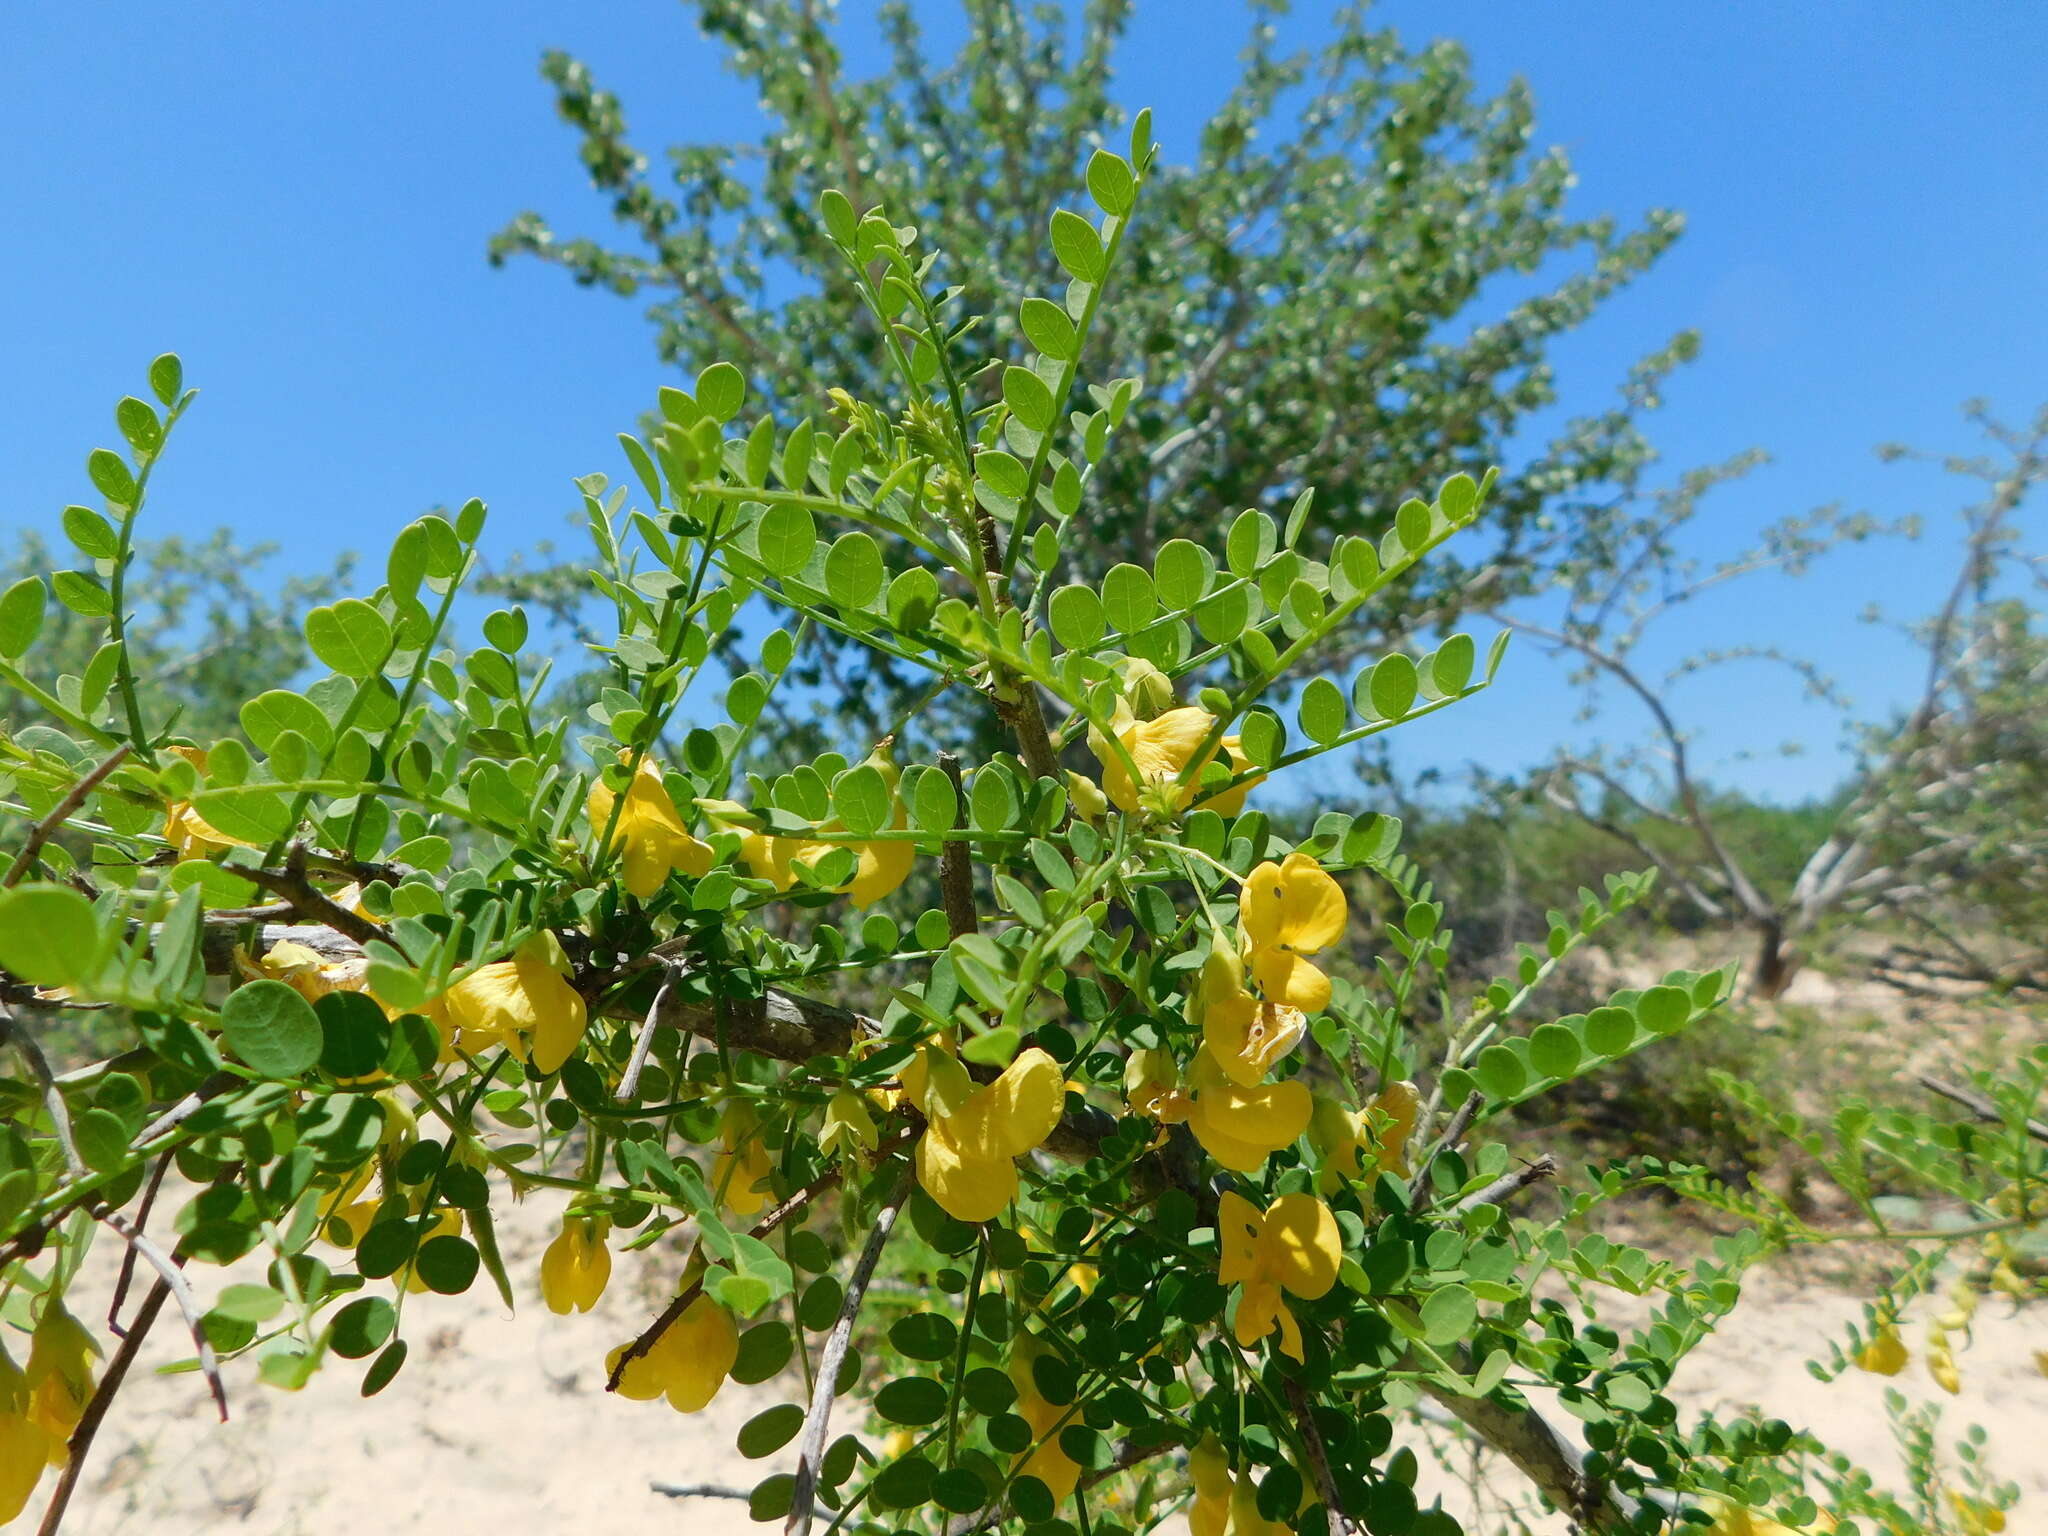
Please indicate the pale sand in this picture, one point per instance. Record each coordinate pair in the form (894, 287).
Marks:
(500, 1424)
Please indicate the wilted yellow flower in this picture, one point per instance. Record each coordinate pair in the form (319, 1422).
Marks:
(191, 835)
(1290, 911)
(650, 831)
(1293, 1247)
(302, 969)
(59, 1375)
(1209, 1471)
(523, 1004)
(1244, 1034)
(1885, 1354)
(1160, 750)
(25, 1446)
(577, 1265)
(967, 1157)
(1049, 1463)
(742, 1171)
(1239, 1126)
(849, 1130)
(688, 1363)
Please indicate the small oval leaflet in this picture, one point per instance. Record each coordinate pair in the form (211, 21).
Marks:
(272, 1029)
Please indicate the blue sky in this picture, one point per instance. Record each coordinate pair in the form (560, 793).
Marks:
(297, 199)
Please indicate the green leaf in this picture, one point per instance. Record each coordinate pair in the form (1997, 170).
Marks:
(1128, 597)
(1322, 711)
(49, 934)
(1028, 398)
(1252, 539)
(361, 1327)
(770, 1430)
(933, 804)
(1047, 328)
(110, 475)
(350, 636)
(1411, 525)
(1181, 572)
(269, 715)
(765, 1349)
(1610, 1031)
(1111, 183)
(841, 223)
(1459, 498)
(1664, 1009)
(853, 570)
(102, 1139)
(355, 1035)
(721, 391)
(1075, 615)
(82, 594)
(93, 534)
(448, 1264)
(785, 538)
(1391, 686)
(1078, 246)
(1449, 1313)
(1500, 1072)
(1452, 668)
(21, 616)
(912, 1400)
(1554, 1051)
(861, 800)
(167, 378)
(925, 1336)
(384, 1368)
(272, 1029)
(249, 1303)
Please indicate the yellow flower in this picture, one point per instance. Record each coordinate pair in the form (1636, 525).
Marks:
(303, 970)
(25, 1446)
(1209, 1470)
(688, 1363)
(1338, 1135)
(189, 833)
(743, 1170)
(1290, 911)
(1152, 1086)
(1736, 1520)
(1238, 1126)
(1245, 1034)
(1161, 750)
(1391, 1122)
(1050, 1464)
(59, 1376)
(884, 862)
(1245, 1519)
(649, 830)
(1293, 1247)
(1885, 1354)
(577, 1265)
(967, 1157)
(523, 1004)
(849, 1130)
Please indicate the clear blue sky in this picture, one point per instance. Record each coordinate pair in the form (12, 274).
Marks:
(297, 199)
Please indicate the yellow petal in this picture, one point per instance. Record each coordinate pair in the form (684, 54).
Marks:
(1025, 1103)
(1302, 1245)
(969, 1183)
(1239, 1126)
(642, 1381)
(1286, 978)
(697, 1354)
(24, 1451)
(1294, 904)
(1238, 1229)
(1209, 1467)
(884, 866)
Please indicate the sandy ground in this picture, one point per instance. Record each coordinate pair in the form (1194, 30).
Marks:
(500, 1424)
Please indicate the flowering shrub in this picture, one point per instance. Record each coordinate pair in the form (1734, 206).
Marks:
(1218, 1208)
